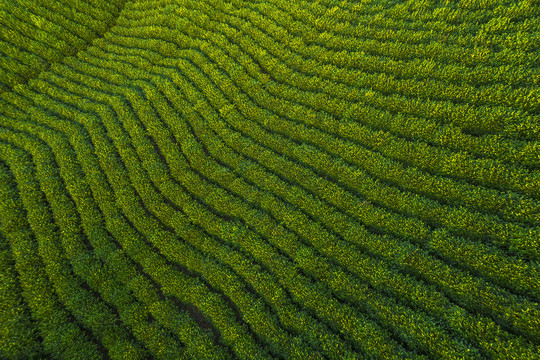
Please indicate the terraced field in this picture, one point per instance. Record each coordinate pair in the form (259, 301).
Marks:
(207, 179)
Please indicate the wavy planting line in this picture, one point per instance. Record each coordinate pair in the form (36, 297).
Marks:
(165, 131)
(327, 24)
(417, 72)
(312, 83)
(105, 280)
(310, 54)
(59, 30)
(445, 135)
(124, 115)
(338, 39)
(199, 162)
(401, 19)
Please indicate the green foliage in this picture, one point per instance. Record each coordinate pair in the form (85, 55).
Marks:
(257, 180)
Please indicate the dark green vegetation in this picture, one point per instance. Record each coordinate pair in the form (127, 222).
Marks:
(207, 179)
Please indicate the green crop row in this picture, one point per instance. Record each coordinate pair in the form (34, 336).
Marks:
(192, 340)
(406, 22)
(302, 199)
(293, 111)
(335, 49)
(389, 86)
(306, 66)
(446, 134)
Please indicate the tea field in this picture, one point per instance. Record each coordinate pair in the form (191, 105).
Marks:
(277, 179)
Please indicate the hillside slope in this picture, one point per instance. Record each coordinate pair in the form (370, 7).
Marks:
(207, 179)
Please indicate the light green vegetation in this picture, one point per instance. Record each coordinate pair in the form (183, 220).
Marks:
(206, 179)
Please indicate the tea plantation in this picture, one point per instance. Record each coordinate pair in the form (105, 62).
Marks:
(277, 179)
